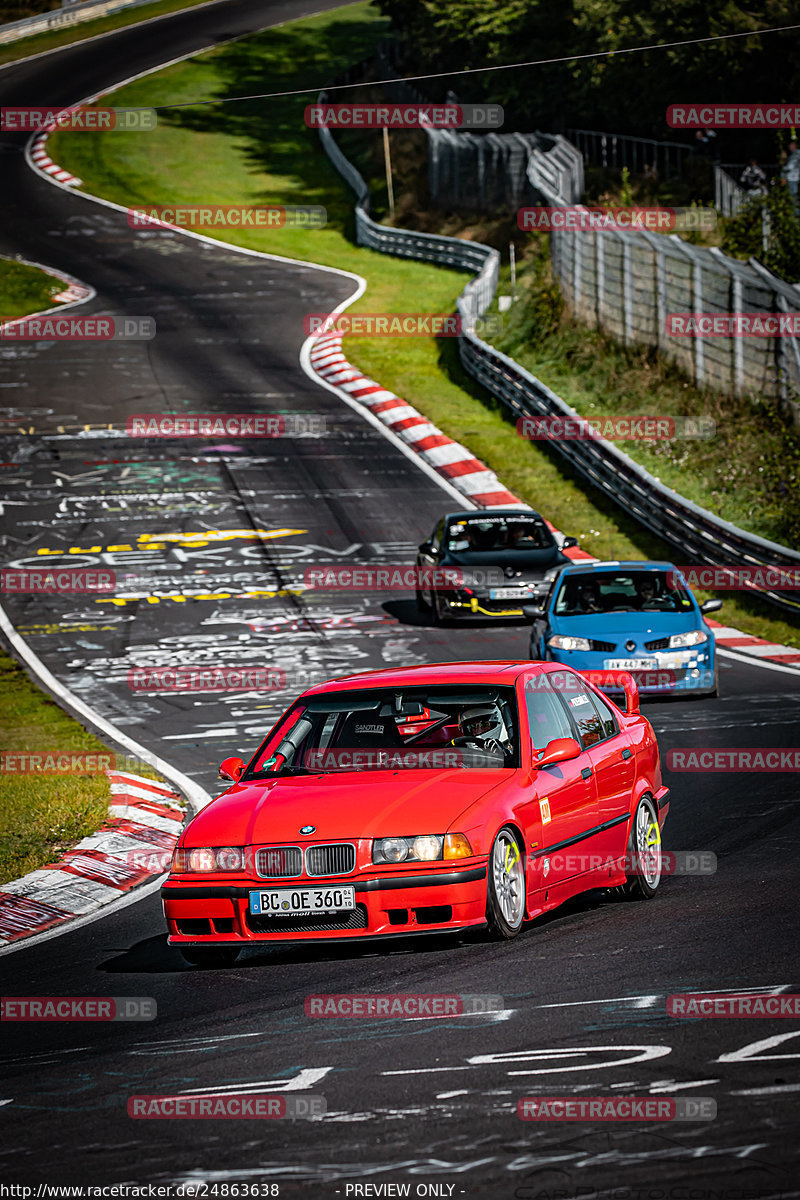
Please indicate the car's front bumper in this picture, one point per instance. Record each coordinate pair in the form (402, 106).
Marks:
(482, 607)
(664, 676)
(205, 913)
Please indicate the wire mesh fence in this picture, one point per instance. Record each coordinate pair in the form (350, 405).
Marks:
(638, 272)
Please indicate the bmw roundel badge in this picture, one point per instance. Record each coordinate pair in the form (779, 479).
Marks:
(309, 829)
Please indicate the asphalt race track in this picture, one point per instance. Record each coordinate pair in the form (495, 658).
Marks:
(208, 541)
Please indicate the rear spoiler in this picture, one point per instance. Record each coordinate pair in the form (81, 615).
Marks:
(616, 681)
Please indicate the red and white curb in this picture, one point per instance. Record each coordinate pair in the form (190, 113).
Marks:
(754, 647)
(74, 292)
(131, 848)
(447, 458)
(45, 164)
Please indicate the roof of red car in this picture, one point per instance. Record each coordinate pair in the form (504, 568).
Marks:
(498, 671)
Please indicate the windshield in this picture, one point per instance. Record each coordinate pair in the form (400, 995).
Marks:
(489, 534)
(621, 591)
(393, 730)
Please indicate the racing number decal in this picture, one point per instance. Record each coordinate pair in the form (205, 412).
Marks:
(544, 809)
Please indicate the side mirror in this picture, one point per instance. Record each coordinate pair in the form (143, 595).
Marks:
(709, 606)
(569, 542)
(231, 769)
(559, 750)
(532, 611)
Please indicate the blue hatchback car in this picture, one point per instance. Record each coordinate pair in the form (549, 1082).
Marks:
(628, 616)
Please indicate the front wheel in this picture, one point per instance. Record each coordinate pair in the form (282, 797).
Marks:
(210, 956)
(505, 891)
(438, 611)
(644, 853)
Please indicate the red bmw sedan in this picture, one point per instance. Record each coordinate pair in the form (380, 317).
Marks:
(422, 799)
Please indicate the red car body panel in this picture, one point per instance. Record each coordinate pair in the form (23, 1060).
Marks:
(590, 801)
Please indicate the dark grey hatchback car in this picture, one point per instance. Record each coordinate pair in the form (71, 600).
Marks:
(487, 564)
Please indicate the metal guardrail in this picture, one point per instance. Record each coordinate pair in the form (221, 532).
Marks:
(59, 18)
(729, 196)
(698, 534)
(619, 150)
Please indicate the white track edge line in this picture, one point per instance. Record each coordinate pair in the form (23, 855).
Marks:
(197, 796)
(70, 923)
(754, 660)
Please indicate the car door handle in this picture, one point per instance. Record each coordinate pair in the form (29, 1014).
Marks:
(626, 753)
(586, 772)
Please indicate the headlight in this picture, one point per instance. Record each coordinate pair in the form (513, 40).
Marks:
(424, 847)
(209, 858)
(569, 643)
(681, 640)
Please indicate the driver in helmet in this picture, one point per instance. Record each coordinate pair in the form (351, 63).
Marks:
(648, 593)
(482, 728)
(589, 596)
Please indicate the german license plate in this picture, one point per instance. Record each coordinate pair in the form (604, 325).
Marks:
(302, 902)
(630, 664)
(510, 593)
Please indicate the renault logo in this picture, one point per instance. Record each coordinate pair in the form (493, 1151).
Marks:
(309, 829)
(630, 645)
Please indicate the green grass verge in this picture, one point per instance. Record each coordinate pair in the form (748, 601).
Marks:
(252, 152)
(25, 289)
(37, 43)
(42, 815)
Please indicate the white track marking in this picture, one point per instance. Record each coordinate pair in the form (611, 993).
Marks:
(724, 652)
(753, 1050)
